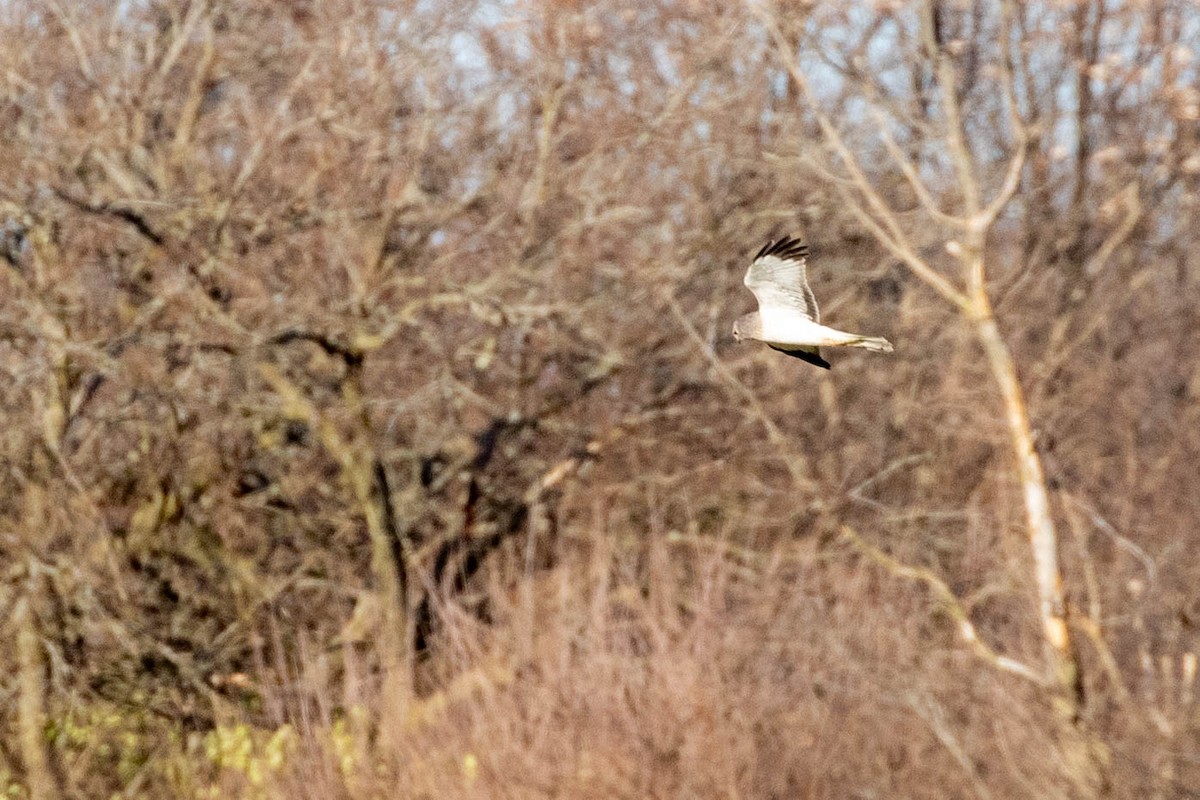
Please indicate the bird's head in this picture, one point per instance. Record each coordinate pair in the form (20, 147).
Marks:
(747, 326)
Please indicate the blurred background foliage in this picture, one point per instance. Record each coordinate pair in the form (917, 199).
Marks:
(371, 425)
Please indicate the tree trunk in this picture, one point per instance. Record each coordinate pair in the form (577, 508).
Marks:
(31, 704)
(1085, 754)
(369, 483)
(1043, 539)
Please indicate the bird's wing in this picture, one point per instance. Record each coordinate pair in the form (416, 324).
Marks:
(779, 280)
(810, 354)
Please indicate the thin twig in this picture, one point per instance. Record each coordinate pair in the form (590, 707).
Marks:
(910, 173)
(880, 219)
(949, 603)
(797, 465)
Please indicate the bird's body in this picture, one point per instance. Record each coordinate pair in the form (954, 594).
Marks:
(787, 318)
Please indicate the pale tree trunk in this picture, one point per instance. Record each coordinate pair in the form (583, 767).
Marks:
(1043, 538)
(971, 301)
(971, 224)
(31, 702)
(364, 476)
(1084, 753)
(390, 584)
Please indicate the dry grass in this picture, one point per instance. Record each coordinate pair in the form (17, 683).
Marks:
(371, 426)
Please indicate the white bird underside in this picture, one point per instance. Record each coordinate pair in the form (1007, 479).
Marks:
(788, 318)
(784, 327)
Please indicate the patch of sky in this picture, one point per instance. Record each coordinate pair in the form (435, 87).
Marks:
(469, 56)
(779, 83)
(505, 110)
(497, 17)
(472, 181)
(450, 137)
(878, 43)
(620, 68)
(664, 63)
(126, 8)
(491, 14)
(886, 59)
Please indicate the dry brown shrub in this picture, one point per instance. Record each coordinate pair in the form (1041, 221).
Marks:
(371, 426)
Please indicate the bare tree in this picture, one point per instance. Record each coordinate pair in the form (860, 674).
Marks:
(371, 423)
(971, 223)
(964, 137)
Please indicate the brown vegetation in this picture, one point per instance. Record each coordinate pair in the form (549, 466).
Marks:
(371, 425)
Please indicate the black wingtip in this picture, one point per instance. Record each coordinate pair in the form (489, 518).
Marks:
(785, 248)
(812, 358)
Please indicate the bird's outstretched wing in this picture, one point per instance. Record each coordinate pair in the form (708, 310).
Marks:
(778, 278)
(810, 354)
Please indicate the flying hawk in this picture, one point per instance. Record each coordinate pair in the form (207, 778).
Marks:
(787, 318)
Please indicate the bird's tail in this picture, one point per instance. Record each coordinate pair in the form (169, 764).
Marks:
(876, 344)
